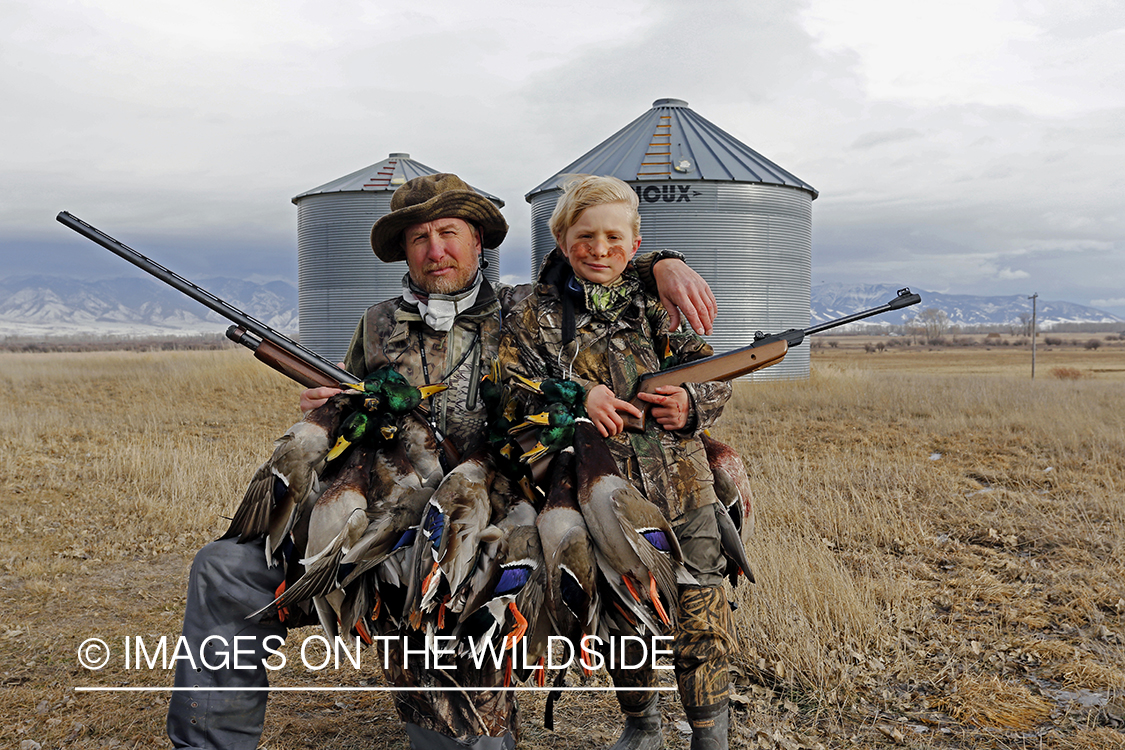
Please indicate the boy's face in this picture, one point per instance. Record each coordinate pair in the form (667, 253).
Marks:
(600, 242)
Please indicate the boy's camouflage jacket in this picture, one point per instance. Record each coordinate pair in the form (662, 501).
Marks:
(671, 467)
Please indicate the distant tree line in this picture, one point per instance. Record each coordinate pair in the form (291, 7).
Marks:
(116, 343)
(935, 323)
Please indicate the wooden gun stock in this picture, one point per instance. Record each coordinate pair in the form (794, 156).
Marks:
(281, 360)
(727, 366)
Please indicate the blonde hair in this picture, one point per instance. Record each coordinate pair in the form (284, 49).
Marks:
(581, 191)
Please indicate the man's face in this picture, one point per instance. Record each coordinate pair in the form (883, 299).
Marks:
(601, 242)
(442, 255)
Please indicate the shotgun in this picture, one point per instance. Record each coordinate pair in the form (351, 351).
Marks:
(269, 345)
(767, 349)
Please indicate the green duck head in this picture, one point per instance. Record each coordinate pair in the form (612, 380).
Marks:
(353, 428)
(556, 389)
(363, 426)
(399, 398)
(492, 390)
(557, 414)
(374, 382)
(558, 433)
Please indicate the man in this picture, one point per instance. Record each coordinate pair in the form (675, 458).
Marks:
(444, 328)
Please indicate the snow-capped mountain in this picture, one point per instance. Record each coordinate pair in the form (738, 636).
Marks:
(49, 306)
(831, 301)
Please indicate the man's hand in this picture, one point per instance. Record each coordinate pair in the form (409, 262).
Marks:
(670, 406)
(316, 397)
(682, 290)
(602, 407)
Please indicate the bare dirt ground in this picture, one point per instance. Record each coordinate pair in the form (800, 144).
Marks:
(940, 553)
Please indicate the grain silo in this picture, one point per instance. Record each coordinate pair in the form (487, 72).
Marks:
(338, 276)
(743, 222)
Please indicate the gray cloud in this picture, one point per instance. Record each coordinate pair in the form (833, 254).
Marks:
(870, 140)
(185, 130)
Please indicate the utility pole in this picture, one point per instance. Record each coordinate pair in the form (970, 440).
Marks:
(1034, 298)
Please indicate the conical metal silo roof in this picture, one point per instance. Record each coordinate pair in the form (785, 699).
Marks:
(672, 142)
(387, 175)
(742, 222)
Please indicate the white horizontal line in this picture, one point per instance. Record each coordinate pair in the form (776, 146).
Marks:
(367, 689)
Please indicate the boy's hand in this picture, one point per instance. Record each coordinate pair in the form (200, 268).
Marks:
(670, 406)
(603, 407)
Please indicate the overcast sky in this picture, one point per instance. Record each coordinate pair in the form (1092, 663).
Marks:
(964, 147)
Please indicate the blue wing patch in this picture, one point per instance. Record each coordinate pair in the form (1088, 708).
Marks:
(513, 577)
(657, 538)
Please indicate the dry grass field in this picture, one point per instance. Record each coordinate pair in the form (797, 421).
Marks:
(940, 551)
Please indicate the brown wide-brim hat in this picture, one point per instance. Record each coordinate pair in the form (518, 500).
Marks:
(430, 197)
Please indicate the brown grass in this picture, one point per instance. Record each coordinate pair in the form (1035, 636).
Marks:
(1068, 373)
(992, 703)
(980, 358)
(940, 551)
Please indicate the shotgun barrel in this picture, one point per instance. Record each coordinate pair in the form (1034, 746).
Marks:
(266, 343)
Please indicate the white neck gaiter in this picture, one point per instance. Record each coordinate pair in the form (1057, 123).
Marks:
(438, 311)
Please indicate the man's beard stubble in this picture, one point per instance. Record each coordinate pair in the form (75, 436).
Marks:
(450, 284)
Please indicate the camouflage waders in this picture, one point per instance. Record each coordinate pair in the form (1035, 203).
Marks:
(702, 641)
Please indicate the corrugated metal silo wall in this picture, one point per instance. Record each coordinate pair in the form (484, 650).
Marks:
(338, 276)
(542, 243)
(753, 244)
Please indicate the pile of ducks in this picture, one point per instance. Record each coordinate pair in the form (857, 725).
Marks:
(536, 534)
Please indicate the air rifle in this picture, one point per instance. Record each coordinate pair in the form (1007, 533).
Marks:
(767, 349)
(269, 345)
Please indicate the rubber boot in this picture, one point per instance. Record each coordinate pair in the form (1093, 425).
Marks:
(642, 728)
(709, 726)
(700, 654)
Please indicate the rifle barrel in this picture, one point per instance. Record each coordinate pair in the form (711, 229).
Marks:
(905, 298)
(205, 298)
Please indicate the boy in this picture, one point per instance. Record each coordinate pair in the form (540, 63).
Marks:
(589, 320)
